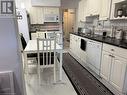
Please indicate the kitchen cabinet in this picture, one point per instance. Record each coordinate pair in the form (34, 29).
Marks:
(38, 34)
(75, 42)
(93, 8)
(105, 9)
(49, 10)
(88, 8)
(118, 72)
(82, 7)
(37, 15)
(56, 3)
(106, 62)
(117, 4)
(113, 66)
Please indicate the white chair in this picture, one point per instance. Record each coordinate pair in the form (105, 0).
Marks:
(46, 53)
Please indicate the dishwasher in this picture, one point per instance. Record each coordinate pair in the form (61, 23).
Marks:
(93, 58)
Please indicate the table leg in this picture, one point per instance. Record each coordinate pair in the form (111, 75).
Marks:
(25, 64)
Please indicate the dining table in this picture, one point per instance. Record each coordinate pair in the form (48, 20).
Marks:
(31, 47)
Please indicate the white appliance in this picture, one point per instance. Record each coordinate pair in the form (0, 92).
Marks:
(51, 18)
(93, 59)
(23, 23)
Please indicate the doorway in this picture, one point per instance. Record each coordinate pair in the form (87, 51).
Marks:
(68, 25)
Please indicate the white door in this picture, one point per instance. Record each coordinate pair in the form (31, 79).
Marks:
(118, 72)
(69, 22)
(106, 65)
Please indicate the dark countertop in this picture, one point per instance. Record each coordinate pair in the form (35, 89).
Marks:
(34, 30)
(108, 40)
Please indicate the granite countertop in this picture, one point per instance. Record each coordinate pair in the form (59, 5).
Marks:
(108, 40)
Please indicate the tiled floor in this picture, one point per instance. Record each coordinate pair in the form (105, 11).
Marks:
(47, 87)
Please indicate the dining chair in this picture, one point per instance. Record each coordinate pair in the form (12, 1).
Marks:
(31, 58)
(46, 53)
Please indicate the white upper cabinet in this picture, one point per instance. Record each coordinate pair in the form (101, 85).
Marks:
(82, 10)
(93, 7)
(105, 9)
(49, 10)
(37, 15)
(56, 3)
(116, 5)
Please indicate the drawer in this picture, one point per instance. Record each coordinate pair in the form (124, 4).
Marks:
(115, 50)
(108, 48)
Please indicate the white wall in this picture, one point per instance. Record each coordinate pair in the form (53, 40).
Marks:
(9, 52)
(69, 4)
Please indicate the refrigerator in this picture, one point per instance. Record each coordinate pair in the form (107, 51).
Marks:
(23, 24)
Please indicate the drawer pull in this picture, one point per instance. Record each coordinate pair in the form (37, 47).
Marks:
(112, 49)
(110, 55)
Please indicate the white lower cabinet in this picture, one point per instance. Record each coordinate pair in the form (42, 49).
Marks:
(113, 67)
(75, 42)
(106, 65)
(118, 70)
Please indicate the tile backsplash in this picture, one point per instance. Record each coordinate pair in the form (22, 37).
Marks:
(106, 25)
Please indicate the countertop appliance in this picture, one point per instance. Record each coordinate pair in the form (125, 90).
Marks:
(93, 58)
(86, 31)
(119, 34)
(51, 18)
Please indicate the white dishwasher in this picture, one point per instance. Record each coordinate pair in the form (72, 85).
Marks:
(93, 58)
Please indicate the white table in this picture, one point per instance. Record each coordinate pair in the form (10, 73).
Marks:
(32, 48)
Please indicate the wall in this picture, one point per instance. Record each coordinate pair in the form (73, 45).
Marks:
(105, 25)
(9, 52)
(69, 4)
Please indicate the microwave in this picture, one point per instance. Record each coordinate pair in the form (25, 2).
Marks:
(51, 18)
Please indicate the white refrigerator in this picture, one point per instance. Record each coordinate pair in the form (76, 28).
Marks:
(23, 23)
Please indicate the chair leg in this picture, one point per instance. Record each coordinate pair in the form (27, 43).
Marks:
(39, 76)
(54, 74)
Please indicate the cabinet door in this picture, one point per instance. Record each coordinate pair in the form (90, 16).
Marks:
(40, 15)
(81, 10)
(105, 9)
(71, 42)
(37, 15)
(93, 9)
(118, 72)
(106, 65)
(51, 10)
(33, 15)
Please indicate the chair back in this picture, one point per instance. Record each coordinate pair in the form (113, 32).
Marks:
(46, 50)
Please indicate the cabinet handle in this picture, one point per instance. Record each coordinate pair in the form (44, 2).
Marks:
(112, 49)
(110, 55)
(113, 56)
